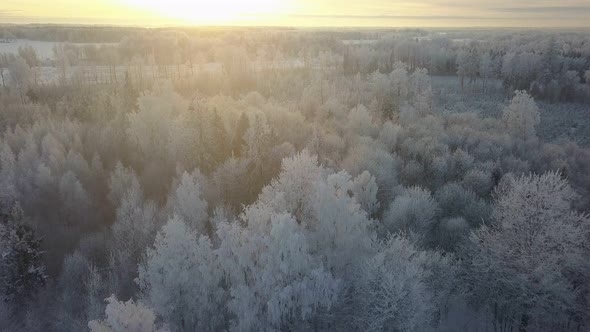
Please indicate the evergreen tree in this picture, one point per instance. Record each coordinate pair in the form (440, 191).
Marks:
(241, 129)
(221, 143)
(21, 269)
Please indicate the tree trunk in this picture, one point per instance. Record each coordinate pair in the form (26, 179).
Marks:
(495, 319)
(524, 322)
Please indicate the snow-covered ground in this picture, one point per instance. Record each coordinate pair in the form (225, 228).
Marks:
(44, 49)
(359, 41)
(558, 120)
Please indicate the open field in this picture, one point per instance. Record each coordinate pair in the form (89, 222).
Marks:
(44, 48)
(559, 121)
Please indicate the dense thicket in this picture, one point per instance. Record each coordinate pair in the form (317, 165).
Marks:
(294, 180)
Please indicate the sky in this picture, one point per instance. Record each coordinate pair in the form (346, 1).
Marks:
(318, 13)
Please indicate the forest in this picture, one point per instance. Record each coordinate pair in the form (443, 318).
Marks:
(291, 179)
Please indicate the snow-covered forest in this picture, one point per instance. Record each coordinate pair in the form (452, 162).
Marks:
(250, 179)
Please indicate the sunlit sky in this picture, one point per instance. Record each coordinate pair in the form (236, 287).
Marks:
(426, 13)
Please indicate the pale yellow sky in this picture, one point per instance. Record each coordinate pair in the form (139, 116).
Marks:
(426, 13)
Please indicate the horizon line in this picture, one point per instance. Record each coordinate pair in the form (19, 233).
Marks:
(167, 26)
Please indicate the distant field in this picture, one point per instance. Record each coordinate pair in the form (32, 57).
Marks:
(558, 120)
(565, 121)
(44, 49)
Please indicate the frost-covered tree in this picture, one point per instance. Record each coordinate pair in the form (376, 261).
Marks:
(4, 60)
(365, 192)
(468, 65)
(21, 76)
(397, 288)
(341, 230)
(366, 155)
(22, 272)
(528, 267)
(479, 181)
(238, 142)
(121, 180)
(296, 183)
(456, 201)
(180, 279)
(29, 53)
(324, 202)
(412, 211)
(151, 127)
(275, 281)
(71, 284)
(232, 182)
(399, 81)
(389, 135)
(135, 225)
(380, 86)
(257, 136)
(486, 68)
(126, 317)
(522, 116)
(220, 141)
(520, 69)
(187, 201)
(360, 122)
(420, 83)
(75, 198)
(451, 233)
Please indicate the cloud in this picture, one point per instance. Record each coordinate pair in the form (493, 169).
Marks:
(368, 12)
(390, 17)
(10, 13)
(545, 9)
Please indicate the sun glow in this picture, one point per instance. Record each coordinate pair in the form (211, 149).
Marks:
(211, 11)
